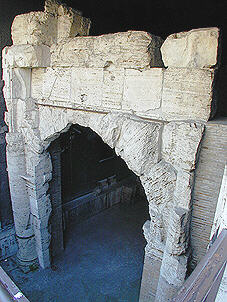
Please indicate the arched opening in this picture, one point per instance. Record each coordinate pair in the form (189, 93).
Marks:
(98, 210)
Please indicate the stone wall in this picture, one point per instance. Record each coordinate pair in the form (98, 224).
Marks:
(152, 116)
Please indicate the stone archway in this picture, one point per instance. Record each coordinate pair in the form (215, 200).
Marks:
(145, 147)
(115, 84)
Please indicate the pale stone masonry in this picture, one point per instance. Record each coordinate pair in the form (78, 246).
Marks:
(153, 116)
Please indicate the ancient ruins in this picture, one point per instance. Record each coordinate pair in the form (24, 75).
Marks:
(147, 98)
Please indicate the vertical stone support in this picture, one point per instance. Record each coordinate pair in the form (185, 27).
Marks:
(174, 263)
(20, 200)
(159, 185)
(152, 264)
(39, 175)
(56, 246)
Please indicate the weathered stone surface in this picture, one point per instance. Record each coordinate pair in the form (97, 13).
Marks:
(48, 27)
(174, 264)
(26, 250)
(172, 276)
(197, 48)
(159, 184)
(172, 94)
(37, 80)
(187, 94)
(70, 21)
(34, 28)
(180, 142)
(184, 186)
(125, 49)
(57, 84)
(142, 90)
(88, 79)
(19, 195)
(109, 127)
(178, 231)
(26, 56)
(138, 144)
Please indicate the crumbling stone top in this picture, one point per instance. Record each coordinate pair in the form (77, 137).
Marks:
(48, 27)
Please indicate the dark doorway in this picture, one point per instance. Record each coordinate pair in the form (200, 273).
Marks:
(104, 208)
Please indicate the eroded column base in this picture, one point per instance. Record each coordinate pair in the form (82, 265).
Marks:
(27, 255)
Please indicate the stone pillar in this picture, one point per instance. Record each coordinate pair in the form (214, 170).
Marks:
(56, 245)
(159, 185)
(174, 263)
(38, 183)
(20, 201)
(150, 278)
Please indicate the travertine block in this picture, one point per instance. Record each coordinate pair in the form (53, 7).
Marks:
(70, 21)
(37, 83)
(26, 56)
(159, 185)
(180, 142)
(87, 86)
(57, 84)
(72, 26)
(143, 135)
(142, 89)
(197, 48)
(113, 81)
(187, 94)
(34, 28)
(54, 24)
(126, 49)
(184, 186)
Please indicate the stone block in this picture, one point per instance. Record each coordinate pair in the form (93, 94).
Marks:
(42, 206)
(56, 84)
(184, 186)
(44, 258)
(142, 90)
(187, 94)
(37, 79)
(72, 26)
(180, 142)
(112, 87)
(174, 269)
(108, 127)
(138, 144)
(42, 237)
(26, 56)
(178, 231)
(70, 21)
(40, 223)
(21, 86)
(34, 28)
(27, 251)
(150, 277)
(197, 48)
(23, 222)
(54, 24)
(122, 50)
(86, 87)
(159, 185)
